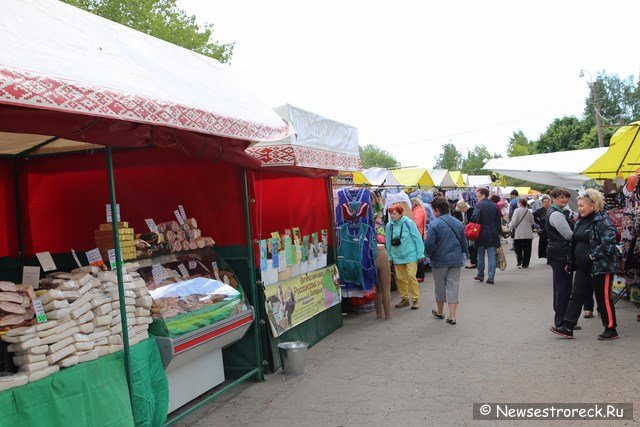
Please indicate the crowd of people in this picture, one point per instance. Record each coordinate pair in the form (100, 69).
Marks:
(581, 251)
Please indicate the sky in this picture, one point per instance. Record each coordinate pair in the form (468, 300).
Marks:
(415, 75)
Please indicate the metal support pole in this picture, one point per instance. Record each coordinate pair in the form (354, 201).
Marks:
(18, 202)
(123, 308)
(596, 106)
(252, 279)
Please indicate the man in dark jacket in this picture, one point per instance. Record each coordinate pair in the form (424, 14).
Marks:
(487, 214)
(559, 230)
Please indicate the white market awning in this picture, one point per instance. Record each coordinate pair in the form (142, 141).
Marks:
(57, 57)
(479, 181)
(318, 143)
(442, 178)
(562, 169)
(380, 176)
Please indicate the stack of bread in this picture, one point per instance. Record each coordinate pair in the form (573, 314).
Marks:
(83, 322)
(15, 305)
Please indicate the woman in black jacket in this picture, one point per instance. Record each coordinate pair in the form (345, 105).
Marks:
(540, 217)
(594, 259)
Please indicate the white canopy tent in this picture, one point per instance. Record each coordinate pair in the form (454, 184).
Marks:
(317, 143)
(380, 176)
(478, 181)
(59, 58)
(442, 178)
(562, 169)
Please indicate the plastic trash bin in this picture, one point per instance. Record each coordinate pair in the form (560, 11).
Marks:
(294, 357)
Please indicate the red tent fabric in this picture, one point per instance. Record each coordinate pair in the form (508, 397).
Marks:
(8, 230)
(286, 201)
(64, 197)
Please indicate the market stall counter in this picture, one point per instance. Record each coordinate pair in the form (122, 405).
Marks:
(101, 385)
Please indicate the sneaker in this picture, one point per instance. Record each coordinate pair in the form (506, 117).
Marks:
(587, 314)
(490, 282)
(563, 331)
(519, 266)
(478, 279)
(451, 321)
(420, 279)
(577, 328)
(471, 266)
(415, 305)
(608, 334)
(403, 303)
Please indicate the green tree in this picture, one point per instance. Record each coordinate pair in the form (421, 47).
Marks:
(450, 158)
(476, 159)
(562, 135)
(162, 19)
(373, 156)
(519, 145)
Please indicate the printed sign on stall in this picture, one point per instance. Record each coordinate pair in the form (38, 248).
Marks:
(109, 216)
(291, 302)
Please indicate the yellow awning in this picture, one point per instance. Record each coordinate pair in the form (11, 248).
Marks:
(623, 156)
(411, 177)
(522, 190)
(457, 178)
(359, 178)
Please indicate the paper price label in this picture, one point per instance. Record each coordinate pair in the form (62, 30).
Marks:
(112, 258)
(46, 261)
(152, 225)
(159, 273)
(75, 257)
(109, 217)
(179, 217)
(192, 265)
(183, 271)
(94, 258)
(39, 309)
(181, 209)
(31, 276)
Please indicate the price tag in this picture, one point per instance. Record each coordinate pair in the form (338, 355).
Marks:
(183, 271)
(31, 276)
(181, 209)
(46, 261)
(39, 309)
(109, 218)
(214, 264)
(112, 258)
(152, 225)
(179, 217)
(159, 273)
(75, 257)
(94, 257)
(192, 265)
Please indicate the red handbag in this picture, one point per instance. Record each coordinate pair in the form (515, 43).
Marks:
(472, 231)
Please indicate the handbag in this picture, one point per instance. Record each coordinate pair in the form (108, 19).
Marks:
(472, 229)
(501, 259)
(513, 232)
(396, 241)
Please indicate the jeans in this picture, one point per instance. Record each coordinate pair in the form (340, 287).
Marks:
(491, 256)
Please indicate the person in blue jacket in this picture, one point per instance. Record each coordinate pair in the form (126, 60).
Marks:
(448, 249)
(487, 214)
(405, 248)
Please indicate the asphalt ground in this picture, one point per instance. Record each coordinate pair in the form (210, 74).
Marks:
(417, 370)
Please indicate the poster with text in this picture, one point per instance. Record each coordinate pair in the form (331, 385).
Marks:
(291, 302)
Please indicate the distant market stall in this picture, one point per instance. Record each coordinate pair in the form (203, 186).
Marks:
(76, 84)
(442, 178)
(413, 177)
(622, 158)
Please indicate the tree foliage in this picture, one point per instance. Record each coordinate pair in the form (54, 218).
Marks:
(476, 159)
(519, 145)
(562, 135)
(162, 19)
(373, 156)
(450, 158)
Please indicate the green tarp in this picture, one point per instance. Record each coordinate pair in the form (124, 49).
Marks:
(93, 394)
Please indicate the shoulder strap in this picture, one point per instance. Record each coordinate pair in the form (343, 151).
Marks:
(454, 233)
(521, 219)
